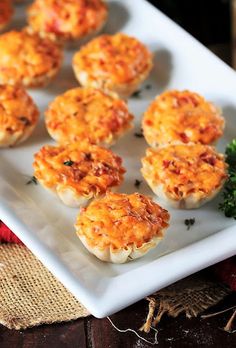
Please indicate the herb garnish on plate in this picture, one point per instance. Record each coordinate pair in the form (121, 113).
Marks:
(189, 223)
(32, 180)
(137, 183)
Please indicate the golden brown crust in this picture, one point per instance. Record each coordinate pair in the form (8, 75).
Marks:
(18, 115)
(67, 20)
(115, 63)
(87, 170)
(119, 221)
(89, 114)
(28, 59)
(185, 171)
(182, 116)
(6, 12)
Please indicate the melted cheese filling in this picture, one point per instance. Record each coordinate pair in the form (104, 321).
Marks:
(184, 170)
(120, 220)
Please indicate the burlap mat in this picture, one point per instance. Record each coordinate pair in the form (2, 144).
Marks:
(191, 296)
(29, 294)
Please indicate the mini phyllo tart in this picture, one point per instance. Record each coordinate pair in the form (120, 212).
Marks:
(120, 227)
(185, 175)
(114, 63)
(18, 115)
(87, 114)
(67, 20)
(28, 59)
(78, 172)
(6, 12)
(182, 116)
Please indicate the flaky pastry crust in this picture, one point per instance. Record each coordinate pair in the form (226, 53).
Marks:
(121, 227)
(185, 175)
(114, 63)
(78, 172)
(18, 115)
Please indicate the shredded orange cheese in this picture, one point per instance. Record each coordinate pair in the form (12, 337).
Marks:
(120, 220)
(184, 170)
(17, 109)
(71, 19)
(92, 170)
(88, 114)
(25, 56)
(115, 58)
(182, 116)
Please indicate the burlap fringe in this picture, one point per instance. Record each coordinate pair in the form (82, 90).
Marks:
(191, 296)
(29, 294)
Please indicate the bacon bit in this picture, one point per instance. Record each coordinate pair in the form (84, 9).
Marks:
(102, 169)
(78, 175)
(53, 26)
(88, 156)
(175, 171)
(176, 190)
(9, 130)
(166, 163)
(208, 159)
(181, 101)
(148, 122)
(184, 137)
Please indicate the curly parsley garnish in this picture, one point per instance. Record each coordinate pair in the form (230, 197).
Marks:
(32, 180)
(189, 223)
(68, 163)
(228, 206)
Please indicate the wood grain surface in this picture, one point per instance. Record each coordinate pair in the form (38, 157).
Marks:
(98, 333)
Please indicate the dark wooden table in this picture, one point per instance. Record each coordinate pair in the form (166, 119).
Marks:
(98, 333)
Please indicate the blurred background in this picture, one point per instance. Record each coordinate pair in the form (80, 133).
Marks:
(212, 22)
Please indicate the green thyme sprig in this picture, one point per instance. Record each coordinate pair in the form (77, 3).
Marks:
(33, 180)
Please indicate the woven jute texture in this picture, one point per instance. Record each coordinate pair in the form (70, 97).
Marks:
(190, 296)
(29, 294)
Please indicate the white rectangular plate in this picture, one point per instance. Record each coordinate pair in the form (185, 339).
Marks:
(46, 226)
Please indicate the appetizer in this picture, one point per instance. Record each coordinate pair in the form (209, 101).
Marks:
(18, 115)
(78, 172)
(6, 12)
(185, 175)
(114, 63)
(86, 113)
(28, 59)
(182, 116)
(67, 20)
(121, 227)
